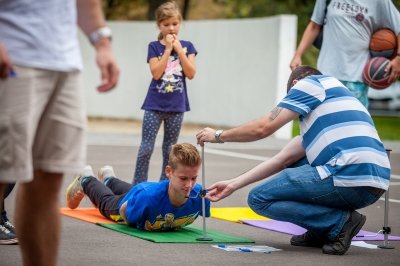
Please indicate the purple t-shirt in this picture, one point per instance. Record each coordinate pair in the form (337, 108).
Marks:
(168, 94)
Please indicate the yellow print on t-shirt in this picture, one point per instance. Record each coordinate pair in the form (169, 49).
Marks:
(169, 223)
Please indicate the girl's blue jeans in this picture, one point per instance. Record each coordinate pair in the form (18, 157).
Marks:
(298, 195)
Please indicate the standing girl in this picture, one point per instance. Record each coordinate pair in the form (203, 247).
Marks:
(171, 60)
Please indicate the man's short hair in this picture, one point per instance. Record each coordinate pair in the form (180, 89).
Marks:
(184, 154)
(301, 72)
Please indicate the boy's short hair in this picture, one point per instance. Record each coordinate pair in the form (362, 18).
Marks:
(301, 72)
(184, 154)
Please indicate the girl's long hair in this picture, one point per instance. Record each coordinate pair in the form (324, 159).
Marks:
(165, 11)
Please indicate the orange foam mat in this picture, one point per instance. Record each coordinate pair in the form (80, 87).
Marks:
(91, 215)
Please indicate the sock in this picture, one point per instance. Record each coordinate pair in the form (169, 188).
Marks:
(84, 180)
(106, 180)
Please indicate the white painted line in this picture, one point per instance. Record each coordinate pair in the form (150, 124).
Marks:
(236, 154)
(395, 177)
(390, 200)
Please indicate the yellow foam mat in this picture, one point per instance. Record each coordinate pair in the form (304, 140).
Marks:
(236, 214)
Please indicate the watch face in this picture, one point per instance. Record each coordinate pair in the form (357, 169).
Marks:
(218, 134)
(103, 32)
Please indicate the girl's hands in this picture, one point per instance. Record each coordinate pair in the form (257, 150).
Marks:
(172, 43)
(169, 40)
(177, 44)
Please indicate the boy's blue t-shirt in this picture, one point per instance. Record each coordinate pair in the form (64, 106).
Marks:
(149, 207)
(169, 93)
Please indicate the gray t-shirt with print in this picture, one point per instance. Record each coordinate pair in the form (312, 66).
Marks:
(349, 25)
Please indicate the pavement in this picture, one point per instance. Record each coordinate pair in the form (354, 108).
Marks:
(116, 143)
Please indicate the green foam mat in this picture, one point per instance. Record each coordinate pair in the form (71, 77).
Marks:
(188, 234)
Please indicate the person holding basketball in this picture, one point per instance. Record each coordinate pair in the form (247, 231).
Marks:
(319, 179)
(349, 24)
(171, 61)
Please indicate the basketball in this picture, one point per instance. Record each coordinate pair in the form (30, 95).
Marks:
(374, 74)
(383, 43)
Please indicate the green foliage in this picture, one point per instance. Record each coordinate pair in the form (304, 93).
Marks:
(388, 127)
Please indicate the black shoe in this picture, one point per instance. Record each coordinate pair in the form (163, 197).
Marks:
(308, 239)
(341, 244)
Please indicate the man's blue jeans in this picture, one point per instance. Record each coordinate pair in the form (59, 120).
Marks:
(298, 195)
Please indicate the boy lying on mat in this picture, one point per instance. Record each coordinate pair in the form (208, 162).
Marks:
(152, 206)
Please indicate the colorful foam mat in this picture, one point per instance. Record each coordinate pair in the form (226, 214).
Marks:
(292, 229)
(188, 234)
(236, 214)
(247, 216)
(91, 215)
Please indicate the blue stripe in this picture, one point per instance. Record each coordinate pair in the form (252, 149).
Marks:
(338, 147)
(365, 170)
(333, 121)
(339, 91)
(296, 107)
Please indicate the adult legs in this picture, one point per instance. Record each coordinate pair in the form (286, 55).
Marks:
(172, 128)
(298, 195)
(151, 124)
(37, 218)
(7, 191)
(2, 197)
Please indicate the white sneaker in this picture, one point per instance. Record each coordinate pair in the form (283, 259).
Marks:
(104, 172)
(74, 192)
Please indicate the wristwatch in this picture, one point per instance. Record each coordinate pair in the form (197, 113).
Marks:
(218, 135)
(100, 33)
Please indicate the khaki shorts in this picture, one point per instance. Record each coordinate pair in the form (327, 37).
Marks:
(42, 124)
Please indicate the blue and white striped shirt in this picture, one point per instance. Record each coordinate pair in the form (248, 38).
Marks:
(338, 133)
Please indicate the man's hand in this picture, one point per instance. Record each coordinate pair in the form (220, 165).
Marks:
(220, 190)
(206, 135)
(394, 69)
(107, 64)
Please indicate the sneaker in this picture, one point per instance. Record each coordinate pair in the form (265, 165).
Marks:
(308, 239)
(74, 192)
(104, 172)
(341, 244)
(9, 226)
(6, 236)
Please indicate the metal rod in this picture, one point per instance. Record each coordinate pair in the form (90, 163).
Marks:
(386, 228)
(203, 199)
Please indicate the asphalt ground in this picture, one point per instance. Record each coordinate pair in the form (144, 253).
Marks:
(87, 244)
